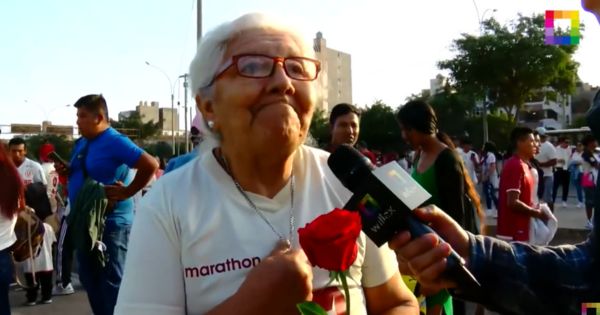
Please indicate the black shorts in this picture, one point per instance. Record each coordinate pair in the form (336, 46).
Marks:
(589, 196)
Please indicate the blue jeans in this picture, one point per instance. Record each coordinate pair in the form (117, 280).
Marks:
(490, 194)
(102, 283)
(576, 180)
(6, 276)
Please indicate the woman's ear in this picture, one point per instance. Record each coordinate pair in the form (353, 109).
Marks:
(205, 106)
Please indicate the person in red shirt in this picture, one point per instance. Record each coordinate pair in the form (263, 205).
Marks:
(516, 188)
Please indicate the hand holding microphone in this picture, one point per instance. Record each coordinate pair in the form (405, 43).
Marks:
(385, 198)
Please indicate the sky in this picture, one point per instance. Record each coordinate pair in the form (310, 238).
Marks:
(54, 51)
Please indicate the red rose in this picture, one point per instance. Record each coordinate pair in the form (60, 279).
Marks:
(329, 241)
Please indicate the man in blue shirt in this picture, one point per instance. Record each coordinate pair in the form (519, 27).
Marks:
(181, 160)
(516, 278)
(105, 155)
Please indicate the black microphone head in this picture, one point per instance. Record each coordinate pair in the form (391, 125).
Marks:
(349, 166)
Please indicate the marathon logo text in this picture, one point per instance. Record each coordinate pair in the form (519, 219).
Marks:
(228, 265)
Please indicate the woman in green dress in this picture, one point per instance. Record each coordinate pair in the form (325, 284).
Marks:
(440, 170)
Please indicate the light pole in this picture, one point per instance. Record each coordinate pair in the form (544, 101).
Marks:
(480, 19)
(43, 109)
(185, 106)
(172, 87)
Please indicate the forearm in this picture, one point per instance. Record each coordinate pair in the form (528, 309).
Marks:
(548, 163)
(140, 181)
(146, 167)
(518, 278)
(521, 207)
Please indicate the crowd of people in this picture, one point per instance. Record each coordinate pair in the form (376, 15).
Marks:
(216, 233)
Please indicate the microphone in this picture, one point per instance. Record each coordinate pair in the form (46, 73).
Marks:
(385, 198)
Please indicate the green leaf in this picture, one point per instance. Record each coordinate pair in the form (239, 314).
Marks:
(310, 308)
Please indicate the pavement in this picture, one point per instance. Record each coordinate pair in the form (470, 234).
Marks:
(571, 230)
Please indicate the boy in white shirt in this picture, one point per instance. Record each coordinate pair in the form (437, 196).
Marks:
(547, 159)
(561, 170)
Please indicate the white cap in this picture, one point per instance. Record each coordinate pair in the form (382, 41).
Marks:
(541, 131)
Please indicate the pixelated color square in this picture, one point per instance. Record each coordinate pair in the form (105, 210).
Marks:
(551, 16)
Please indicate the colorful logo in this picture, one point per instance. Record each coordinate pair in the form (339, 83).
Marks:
(553, 15)
(589, 306)
(368, 207)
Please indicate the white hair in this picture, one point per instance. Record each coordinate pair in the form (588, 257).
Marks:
(210, 55)
(212, 46)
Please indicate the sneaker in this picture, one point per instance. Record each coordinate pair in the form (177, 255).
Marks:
(60, 290)
(30, 303)
(491, 213)
(580, 205)
(564, 204)
(48, 301)
(589, 225)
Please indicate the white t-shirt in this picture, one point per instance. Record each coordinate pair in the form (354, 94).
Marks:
(468, 158)
(547, 153)
(53, 180)
(490, 159)
(43, 261)
(577, 160)
(563, 154)
(195, 238)
(7, 231)
(536, 181)
(32, 172)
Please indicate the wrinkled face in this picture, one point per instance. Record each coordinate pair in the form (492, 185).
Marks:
(345, 130)
(18, 153)
(258, 114)
(527, 146)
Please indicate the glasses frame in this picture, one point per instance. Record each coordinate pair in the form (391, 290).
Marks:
(233, 62)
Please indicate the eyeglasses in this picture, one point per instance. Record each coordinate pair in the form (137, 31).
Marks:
(261, 66)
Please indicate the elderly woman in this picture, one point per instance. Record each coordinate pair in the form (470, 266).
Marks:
(219, 235)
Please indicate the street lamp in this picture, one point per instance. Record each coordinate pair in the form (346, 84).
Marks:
(43, 109)
(172, 87)
(480, 19)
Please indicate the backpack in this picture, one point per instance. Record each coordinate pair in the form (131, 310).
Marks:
(29, 230)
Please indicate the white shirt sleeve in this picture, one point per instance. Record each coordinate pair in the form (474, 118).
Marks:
(379, 266)
(153, 281)
(39, 174)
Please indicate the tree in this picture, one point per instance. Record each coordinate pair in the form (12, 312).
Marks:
(133, 127)
(379, 129)
(510, 63)
(319, 127)
(62, 145)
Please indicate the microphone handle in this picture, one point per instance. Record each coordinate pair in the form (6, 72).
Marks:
(455, 266)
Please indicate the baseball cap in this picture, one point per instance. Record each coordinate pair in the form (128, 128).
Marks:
(541, 131)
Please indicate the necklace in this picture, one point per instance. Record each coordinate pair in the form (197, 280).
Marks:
(281, 237)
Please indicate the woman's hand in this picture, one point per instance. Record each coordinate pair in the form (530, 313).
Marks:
(282, 280)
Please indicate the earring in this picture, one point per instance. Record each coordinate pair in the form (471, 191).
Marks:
(211, 124)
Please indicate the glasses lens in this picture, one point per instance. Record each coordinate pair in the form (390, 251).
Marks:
(301, 69)
(255, 66)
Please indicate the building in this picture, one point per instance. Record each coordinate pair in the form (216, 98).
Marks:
(335, 76)
(436, 86)
(167, 124)
(153, 113)
(547, 109)
(147, 112)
